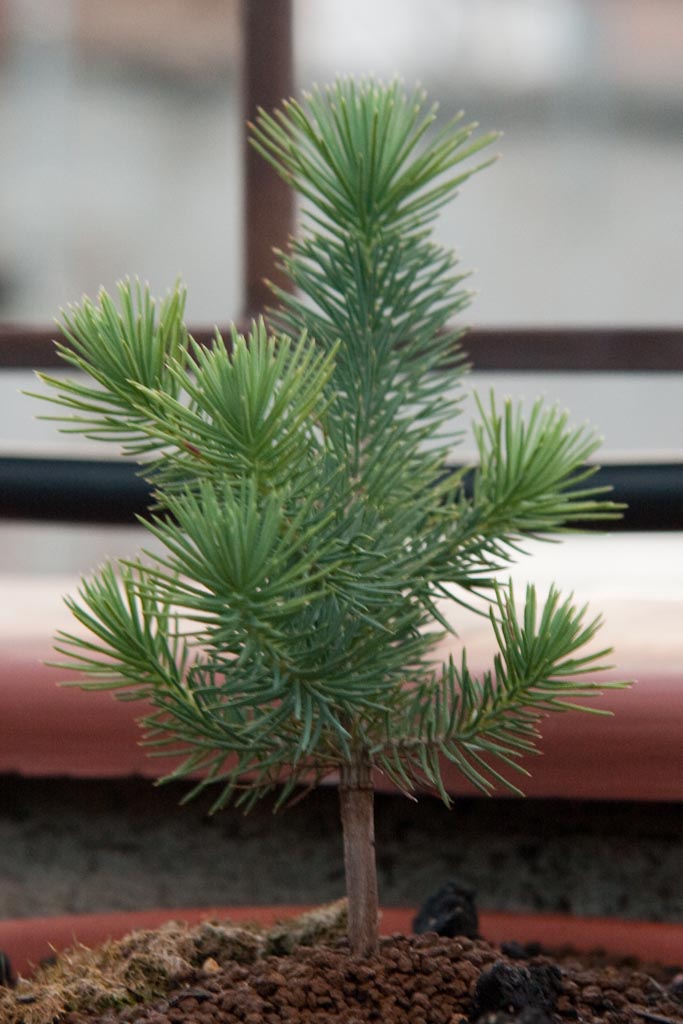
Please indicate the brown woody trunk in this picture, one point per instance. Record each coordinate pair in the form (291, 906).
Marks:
(358, 824)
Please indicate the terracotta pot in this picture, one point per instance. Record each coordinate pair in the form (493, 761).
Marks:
(27, 941)
(634, 581)
(47, 730)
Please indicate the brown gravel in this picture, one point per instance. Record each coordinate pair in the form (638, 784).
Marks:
(423, 979)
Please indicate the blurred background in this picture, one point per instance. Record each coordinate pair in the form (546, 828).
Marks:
(121, 126)
(580, 222)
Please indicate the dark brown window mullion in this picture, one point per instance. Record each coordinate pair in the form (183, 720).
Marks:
(267, 79)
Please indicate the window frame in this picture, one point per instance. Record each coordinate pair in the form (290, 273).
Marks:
(267, 74)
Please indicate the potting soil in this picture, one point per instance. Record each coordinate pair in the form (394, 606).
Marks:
(221, 974)
(424, 979)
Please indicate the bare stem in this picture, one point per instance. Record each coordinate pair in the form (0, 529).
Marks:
(358, 824)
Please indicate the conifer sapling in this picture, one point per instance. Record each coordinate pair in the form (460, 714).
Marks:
(309, 528)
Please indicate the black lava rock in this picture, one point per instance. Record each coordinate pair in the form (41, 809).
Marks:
(546, 985)
(450, 911)
(511, 989)
(503, 987)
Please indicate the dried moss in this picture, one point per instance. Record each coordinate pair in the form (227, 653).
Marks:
(318, 927)
(141, 966)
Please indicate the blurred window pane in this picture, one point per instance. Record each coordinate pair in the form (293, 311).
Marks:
(121, 151)
(581, 222)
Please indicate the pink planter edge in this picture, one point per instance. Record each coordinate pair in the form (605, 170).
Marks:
(50, 731)
(28, 940)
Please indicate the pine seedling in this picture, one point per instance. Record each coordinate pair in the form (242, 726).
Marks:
(309, 529)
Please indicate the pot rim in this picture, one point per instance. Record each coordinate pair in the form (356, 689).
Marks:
(27, 940)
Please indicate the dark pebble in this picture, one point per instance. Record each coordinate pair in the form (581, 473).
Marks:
(511, 989)
(450, 912)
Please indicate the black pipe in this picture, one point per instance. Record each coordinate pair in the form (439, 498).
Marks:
(653, 493)
(71, 490)
(83, 490)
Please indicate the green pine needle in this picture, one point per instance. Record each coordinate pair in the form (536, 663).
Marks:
(306, 520)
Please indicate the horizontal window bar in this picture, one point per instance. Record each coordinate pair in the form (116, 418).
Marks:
(489, 348)
(85, 490)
